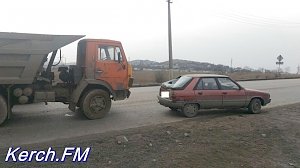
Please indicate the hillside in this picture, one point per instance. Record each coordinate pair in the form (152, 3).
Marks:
(183, 65)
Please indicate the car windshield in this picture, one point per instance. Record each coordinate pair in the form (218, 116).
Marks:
(181, 82)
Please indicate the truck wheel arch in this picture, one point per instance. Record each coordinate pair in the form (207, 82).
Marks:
(86, 85)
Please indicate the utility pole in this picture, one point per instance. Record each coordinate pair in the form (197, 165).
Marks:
(298, 72)
(170, 41)
(231, 66)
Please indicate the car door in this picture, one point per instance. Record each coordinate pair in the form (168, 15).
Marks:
(233, 94)
(208, 94)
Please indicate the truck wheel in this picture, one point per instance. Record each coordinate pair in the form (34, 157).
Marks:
(255, 106)
(96, 104)
(3, 110)
(190, 110)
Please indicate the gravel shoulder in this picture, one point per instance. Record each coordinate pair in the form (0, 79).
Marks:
(216, 138)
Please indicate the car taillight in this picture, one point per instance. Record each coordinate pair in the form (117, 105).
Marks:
(172, 95)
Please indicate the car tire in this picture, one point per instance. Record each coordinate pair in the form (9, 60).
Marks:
(190, 110)
(95, 104)
(255, 106)
(3, 110)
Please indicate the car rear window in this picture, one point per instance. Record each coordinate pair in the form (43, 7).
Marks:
(182, 81)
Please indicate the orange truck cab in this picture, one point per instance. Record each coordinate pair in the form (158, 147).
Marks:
(105, 61)
(104, 67)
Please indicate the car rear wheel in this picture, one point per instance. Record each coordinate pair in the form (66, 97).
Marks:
(255, 106)
(190, 110)
(96, 104)
(3, 110)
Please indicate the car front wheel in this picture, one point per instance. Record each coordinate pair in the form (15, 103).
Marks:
(190, 110)
(255, 106)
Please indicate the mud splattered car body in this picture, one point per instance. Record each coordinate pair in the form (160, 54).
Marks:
(204, 91)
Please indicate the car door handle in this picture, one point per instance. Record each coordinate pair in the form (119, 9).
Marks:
(99, 71)
(200, 93)
(224, 93)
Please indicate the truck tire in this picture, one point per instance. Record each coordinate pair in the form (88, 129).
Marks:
(95, 104)
(3, 110)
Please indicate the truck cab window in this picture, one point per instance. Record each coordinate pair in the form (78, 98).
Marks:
(109, 53)
(106, 52)
(117, 53)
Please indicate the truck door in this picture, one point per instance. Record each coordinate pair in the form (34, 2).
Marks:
(111, 66)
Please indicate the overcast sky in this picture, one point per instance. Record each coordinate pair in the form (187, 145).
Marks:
(250, 32)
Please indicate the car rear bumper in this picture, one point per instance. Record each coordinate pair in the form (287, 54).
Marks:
(169, 103)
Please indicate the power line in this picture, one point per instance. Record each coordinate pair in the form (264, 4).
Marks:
(257, 20)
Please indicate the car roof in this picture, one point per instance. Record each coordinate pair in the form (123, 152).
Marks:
(205, 75)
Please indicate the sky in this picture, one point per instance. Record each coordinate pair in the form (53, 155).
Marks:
(250, 32)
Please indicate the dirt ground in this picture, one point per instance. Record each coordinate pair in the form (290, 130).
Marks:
(216, 138)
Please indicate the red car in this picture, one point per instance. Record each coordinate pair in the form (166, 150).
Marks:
(190, 93)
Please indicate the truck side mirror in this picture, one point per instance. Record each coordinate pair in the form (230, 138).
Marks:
(120, 60)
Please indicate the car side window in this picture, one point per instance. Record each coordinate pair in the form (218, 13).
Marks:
(207, 84)
(228, 84)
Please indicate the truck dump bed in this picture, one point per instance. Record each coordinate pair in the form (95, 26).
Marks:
(22, 55)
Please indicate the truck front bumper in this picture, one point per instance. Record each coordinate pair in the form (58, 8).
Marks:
(128, 94)
(130, 82)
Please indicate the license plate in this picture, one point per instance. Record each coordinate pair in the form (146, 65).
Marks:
(165, 94)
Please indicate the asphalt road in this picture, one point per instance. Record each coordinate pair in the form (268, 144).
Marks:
(40, 123)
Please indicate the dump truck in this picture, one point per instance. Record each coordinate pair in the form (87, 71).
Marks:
(101, 73)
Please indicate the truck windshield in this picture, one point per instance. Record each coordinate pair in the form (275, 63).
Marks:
(182, 81)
